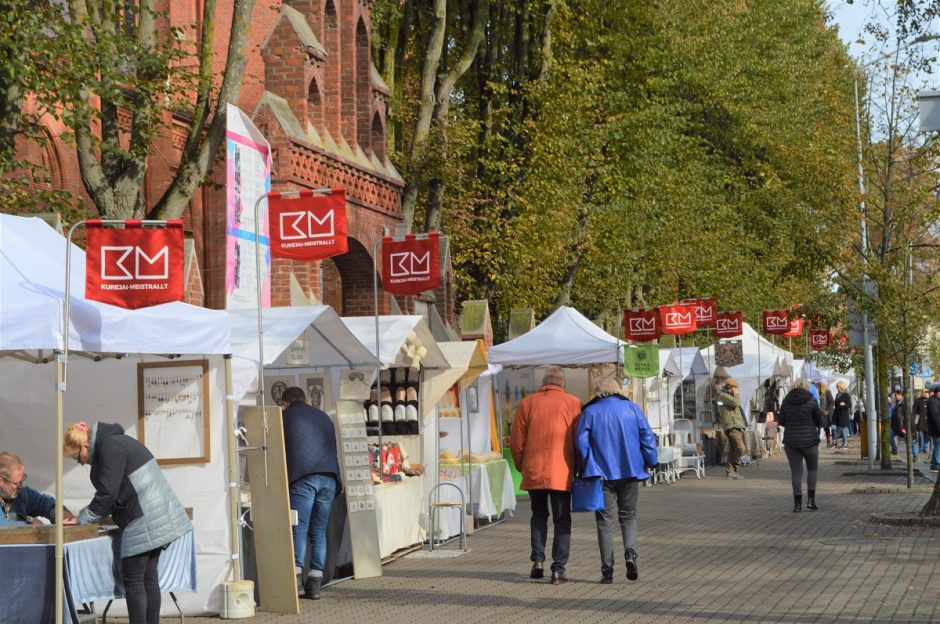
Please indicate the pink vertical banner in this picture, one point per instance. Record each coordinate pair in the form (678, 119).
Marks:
(248, 166)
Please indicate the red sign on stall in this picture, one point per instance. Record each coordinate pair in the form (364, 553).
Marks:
(677, 319)
(729, 324)
(641, 325)
(705, 311)
(795, 328)
(412, 265)
(819, 339)
(308, 227)
(134, 267)
(776, 322)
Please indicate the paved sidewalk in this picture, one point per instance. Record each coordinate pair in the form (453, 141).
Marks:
(711, 550)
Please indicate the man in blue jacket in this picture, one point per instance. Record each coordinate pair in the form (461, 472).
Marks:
(617, 445)
(22, 504)
(313, 474)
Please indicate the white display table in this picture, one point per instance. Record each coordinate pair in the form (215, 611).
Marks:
(399, 507)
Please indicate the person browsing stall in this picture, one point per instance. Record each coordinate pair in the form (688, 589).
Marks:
(132, 490)
(313, 474)
(21, 503)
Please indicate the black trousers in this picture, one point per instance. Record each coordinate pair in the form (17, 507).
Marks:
(142, 587)
(561, 517)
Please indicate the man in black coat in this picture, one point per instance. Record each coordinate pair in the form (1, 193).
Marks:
(933, 427)
(920, 413)
(313, 474)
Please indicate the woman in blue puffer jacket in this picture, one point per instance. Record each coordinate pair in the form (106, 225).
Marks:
(131, 488)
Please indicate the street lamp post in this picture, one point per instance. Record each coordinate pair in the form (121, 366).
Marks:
(872, 410)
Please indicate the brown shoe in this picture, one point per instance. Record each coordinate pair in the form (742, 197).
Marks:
(558, 578)
(538, 570)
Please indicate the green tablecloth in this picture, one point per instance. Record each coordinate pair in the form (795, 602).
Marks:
(516, 477)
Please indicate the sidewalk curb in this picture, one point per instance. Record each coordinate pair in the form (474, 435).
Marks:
(904, 519)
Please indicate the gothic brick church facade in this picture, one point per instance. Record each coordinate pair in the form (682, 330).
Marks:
(311, 88)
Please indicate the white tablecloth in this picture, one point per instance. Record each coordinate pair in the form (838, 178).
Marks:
(399, 508)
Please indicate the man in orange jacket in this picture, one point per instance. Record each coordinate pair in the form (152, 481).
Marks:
(543, 449)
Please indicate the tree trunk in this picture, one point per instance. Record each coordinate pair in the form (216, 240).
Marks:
(885, 437)
(575, 257)
(201, 147)
(432, 61)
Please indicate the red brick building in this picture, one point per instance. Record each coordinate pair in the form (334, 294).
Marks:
(311, 88)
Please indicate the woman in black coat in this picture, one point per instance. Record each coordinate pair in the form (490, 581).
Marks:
(842, 413)
(801, 420)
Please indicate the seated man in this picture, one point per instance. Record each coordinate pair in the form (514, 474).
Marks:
(21, 503)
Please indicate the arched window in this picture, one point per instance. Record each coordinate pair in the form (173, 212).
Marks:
(332, 92)
(378, 138)
(314, 105)
(363, 87)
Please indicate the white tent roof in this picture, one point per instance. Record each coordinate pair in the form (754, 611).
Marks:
(32, 299)
(565, 338)
(329, 341)
(689, 362)
(393, 332)
(762, 360)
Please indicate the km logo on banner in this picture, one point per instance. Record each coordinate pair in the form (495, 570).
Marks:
(677, 319)
(641, 325)
(819, 339)
(729, 324)
(309, 227)
(134, 268)
(776, 322)
(411, 266)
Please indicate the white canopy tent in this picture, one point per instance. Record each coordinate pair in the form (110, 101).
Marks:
(762, 361)
(675, 367)
(106, 346)
(327, 342)
(565, 338)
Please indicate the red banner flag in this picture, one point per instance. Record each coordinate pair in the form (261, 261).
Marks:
(309, 227)
(677, 319)
(706, 311)
(729, 324)
(134, 267)
(776, 322)
(412, 265)
(794, 328)
(641, 325)
(819, 339)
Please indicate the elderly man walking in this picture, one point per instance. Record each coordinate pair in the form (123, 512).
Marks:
(542, 445)
(732, 423)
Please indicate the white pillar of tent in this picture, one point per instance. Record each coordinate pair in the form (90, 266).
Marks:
(234, 479)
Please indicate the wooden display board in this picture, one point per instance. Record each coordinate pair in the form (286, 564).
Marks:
(360, 501)
(45, 533)
(270, 509)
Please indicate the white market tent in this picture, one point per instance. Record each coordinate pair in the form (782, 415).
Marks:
(328, 342)
(675, 366)
(565, 338)
(106, 344)
(395, 333)
(762, 361)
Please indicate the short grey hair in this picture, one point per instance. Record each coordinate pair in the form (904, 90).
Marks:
(801, 384)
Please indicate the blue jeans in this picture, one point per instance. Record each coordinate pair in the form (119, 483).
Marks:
(312, 497)
(935, 454)
(843, 432)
